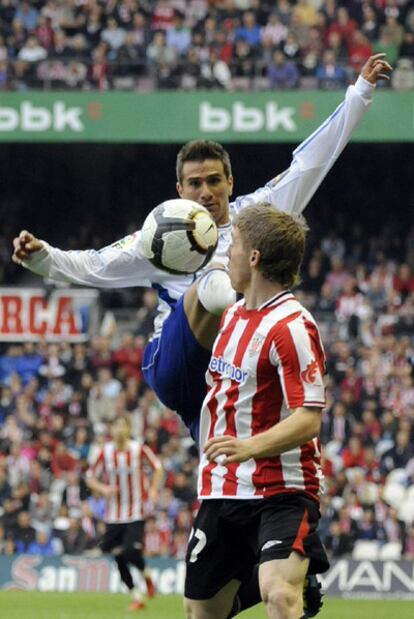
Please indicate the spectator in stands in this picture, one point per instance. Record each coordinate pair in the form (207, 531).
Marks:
(359, 50)
(159, 53)
(74, 539)
(42, 545)
(113, 35)
(282, 73)
(274, 31)
(386, 44)
(179, 35)
(338, 542)
(330, 74)
(403, 76)
(399, 455)
(31, 52)
(370, 22)
(24, 534)
(249, 31)
(344, 25)
(403, 282)
(62, 462)
(28, 15)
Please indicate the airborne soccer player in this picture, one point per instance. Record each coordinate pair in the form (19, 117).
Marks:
(259, 476)
(177, 357)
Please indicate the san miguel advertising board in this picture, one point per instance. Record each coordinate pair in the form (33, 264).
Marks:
(346, 578)
(31, 314)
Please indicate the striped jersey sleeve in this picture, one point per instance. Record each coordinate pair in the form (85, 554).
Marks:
(298, 354)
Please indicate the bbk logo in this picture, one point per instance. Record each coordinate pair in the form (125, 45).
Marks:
(243, 119)
(31, 118)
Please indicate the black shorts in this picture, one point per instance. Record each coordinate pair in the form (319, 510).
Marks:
(231, 536)
(123, 536)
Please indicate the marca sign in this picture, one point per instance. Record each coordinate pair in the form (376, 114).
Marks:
(29, 117)
(28, 315)
(246, 119)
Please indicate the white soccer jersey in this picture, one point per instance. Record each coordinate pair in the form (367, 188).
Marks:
(123, 264)
(125, 471)
(265, 363)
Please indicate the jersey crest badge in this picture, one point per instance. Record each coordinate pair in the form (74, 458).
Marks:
(309, 375)
(256, 344)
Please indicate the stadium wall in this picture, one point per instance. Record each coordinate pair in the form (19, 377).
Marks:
(346, 578)
(287, 117)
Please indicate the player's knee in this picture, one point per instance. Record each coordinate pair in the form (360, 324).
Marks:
(215, 292)
(282, 599)
(188, 609)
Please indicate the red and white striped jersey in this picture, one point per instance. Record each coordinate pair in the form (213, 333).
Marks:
(125, 470)
(265, 362)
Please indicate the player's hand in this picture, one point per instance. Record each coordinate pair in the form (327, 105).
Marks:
(376, 68)
(153, 496)
(227, 449)
(24, 245)
(109, 492)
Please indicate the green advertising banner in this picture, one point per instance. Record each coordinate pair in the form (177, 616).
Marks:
(177, 117)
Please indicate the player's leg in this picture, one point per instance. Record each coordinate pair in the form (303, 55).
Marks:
(132, 552)
(249, 594)
(215, 559)
(175, 365)
(217, 607)
(113, 543)
(205, 302)
(281, 583)
(288, 541)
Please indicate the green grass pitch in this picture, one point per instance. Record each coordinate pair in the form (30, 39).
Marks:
(35, 605)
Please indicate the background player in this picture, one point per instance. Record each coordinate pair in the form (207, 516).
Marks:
(120, 465)
(260, 476)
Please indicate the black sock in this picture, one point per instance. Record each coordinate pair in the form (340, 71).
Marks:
(131, 555)
(126, 575)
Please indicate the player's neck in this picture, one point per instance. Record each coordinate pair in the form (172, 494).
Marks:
(259, 291)
(122, 444)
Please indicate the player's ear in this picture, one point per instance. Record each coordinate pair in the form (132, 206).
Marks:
(254, 257)
(179, 189)
(230, 184)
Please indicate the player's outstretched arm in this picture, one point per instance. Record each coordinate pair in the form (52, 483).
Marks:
(115, 266)
(292, 190)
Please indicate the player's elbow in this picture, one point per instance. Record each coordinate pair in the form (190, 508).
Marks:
(312, 425)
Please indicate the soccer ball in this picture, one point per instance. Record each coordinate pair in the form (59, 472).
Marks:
(179, 236)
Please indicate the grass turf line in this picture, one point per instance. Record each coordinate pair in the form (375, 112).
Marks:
(36, 605)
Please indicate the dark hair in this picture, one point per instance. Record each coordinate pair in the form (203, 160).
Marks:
(199, 150)
(278, 236)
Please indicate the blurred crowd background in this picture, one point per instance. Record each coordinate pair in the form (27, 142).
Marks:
(191, 44)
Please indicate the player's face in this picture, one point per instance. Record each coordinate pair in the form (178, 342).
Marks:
(239, 267)
(120, 430)
(206, 183)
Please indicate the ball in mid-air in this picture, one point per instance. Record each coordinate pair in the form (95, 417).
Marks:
(179, 236)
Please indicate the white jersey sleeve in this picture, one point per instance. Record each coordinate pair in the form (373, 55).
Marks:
(118, 265)
(292, 190)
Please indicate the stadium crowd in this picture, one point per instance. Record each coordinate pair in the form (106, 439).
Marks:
(190, 44)
(57, 400)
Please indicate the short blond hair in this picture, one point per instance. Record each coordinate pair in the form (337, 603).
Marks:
(280, 239)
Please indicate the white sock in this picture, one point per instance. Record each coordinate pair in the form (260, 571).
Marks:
(136, 595)
(214, 291)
